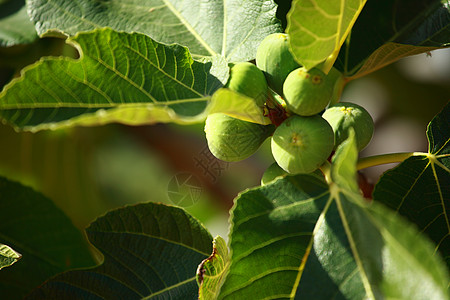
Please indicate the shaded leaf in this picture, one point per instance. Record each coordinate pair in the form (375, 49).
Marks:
(8, 256)
(150, 251)
(419, 188)
(232, 28)
(42, 234)
(119, 77)
(15, 25)
(212, 271)
(384, 24)
(312, 43)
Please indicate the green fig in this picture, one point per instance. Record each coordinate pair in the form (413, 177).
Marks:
(275, 59)
(343, 116)
(308, 92)
(302, 144)
(272, 172)
(247, 79)
(231, 139)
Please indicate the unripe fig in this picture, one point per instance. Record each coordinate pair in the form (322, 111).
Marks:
(344, 115)
(275, 59)
(247, 79)
(272, 172)
(302, 144)
(307, 92)
(231, 139)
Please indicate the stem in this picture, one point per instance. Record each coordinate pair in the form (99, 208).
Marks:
(329, 62)
(381, 159)
(326, 170)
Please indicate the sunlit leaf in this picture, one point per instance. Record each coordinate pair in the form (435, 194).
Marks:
(318, 28)
(15, 25)
(48, 242)
(150, 251)
(232, 28)
(8, 256)
(212, 271)
(419, 188)
(119, 77)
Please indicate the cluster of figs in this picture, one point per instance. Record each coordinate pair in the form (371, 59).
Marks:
(308, 122)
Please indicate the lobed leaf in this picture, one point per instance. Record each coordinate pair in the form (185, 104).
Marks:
(231, 28)
(150, 251)
(318, 28)
(119, 77)
(42, 234)
(419, 188)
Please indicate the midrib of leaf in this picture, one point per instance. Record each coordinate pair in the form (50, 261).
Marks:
(189, 27)
(170, 288)
(352, 243)
(319, 223)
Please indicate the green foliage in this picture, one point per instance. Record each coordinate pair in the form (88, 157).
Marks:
(154, 253)
(239, 25)
(15, 25)
(419, 188)
(302, 144)
(8, 256)
(212, 271)
(48, 242)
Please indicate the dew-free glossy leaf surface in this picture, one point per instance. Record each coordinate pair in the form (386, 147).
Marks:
(383, 22)
(318, 28)
(150, 251)
(119, 77)
(299, 238)
(15, 25)
(212, 271)
(48, 242)
(8, 256)
(419, 188)
(232, 28)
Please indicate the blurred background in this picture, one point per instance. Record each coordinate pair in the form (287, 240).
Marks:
(88, 171)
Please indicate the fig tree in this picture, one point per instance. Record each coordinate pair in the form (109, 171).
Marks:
(275, 59)
(343, 116)
(231, 139)
(307, 92)
(302, 144)
(247, 79)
